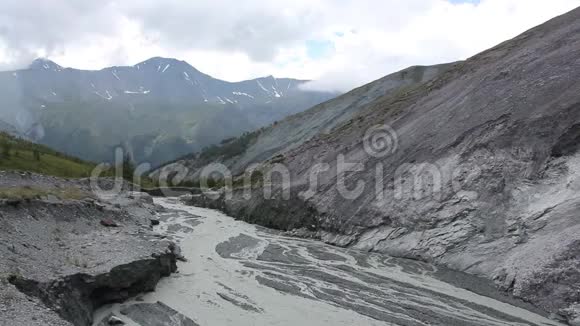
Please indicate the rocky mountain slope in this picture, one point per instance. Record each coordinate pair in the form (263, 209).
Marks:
(299, 128)
(480, 172)
(159, 109)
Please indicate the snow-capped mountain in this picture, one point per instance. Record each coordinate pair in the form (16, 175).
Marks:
(154, 79)
(153, 100)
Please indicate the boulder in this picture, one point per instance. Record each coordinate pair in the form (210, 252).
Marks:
(154, 314)
(114, 320)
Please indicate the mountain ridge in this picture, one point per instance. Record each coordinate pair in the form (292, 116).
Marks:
(158, 109)
(40, 62)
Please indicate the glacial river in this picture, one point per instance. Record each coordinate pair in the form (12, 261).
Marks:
(239, 274)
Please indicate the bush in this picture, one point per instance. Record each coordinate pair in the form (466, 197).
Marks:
(6, 148)
(128, 168)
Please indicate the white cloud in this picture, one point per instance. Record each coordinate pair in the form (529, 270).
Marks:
(237, 40)
(443, 32)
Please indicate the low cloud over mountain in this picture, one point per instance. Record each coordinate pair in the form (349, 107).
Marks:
(340, 44)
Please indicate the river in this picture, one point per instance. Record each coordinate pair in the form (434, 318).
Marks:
(240, 274)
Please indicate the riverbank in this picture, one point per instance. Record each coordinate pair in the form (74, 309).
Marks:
(65, 253)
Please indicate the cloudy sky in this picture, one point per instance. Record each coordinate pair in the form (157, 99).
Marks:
(339, 43)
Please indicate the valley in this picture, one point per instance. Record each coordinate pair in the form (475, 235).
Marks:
(440, 194)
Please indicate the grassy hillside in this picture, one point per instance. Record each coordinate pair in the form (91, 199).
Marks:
(19, 154)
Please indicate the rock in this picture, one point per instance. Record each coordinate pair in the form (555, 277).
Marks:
(109, 223)
(113, 320)
(11, 202)
(154, 222)
(572, 314)
(51, 199)
(156, 314)
(159, 208)
(146, 198)
(176, 250)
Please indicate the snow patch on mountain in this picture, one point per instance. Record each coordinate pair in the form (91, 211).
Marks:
(242, 94)
(107, 95)
(138, 92)
(262, 87)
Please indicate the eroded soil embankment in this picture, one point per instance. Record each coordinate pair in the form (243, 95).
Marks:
(59, 262)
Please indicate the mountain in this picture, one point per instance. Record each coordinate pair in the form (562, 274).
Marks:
(476, 169)
(158, 109)
(297, 129)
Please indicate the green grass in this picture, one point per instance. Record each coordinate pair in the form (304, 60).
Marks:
(21, 155)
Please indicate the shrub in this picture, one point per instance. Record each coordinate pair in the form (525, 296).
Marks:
(6, 148)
